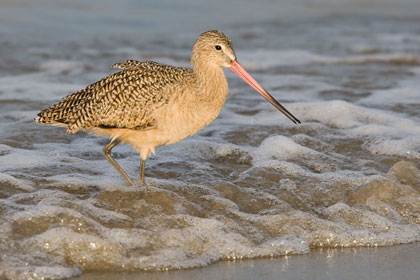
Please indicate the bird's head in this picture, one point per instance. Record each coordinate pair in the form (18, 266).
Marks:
(214, 47)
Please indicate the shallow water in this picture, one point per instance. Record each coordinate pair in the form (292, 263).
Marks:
(385, 263)
(252, 184)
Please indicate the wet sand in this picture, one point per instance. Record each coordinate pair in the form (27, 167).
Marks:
(385, 263)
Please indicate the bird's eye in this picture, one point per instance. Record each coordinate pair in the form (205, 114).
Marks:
(218, 47)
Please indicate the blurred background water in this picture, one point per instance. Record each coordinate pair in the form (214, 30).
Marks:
(251, 184)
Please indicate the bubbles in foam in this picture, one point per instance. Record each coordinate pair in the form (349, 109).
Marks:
(281, 147)
(408, 147)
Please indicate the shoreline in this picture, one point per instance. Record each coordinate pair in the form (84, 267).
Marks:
(385, 263)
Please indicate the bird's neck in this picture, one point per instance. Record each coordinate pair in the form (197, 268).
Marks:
(211, 91)
(211, 80)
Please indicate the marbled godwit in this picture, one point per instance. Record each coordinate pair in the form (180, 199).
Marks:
(148, 104)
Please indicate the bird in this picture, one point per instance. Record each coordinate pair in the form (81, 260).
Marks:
(147, 104)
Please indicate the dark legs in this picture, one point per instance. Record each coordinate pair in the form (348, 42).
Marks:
(107, 152)
(141, 175)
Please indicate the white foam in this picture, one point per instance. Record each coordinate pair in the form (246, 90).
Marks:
(18, 158)
(358, 121)
(281, 147)
(344, 115)
(408, 147)
(407, 92)
(284, 166)
(384, 231)
(35, 86)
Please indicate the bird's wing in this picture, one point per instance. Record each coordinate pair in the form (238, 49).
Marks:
(126, 99)
(129, 65)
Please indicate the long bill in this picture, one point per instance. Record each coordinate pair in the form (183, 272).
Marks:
(241, 72)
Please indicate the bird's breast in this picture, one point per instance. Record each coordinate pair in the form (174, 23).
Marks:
(187, 115)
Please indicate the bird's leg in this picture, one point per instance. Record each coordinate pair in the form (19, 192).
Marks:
(141, 175)
(107, 152)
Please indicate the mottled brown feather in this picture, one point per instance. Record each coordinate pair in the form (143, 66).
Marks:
(126, 99)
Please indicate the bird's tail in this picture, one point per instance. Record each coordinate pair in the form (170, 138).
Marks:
(61, 113)
(47, 116)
